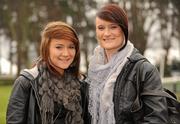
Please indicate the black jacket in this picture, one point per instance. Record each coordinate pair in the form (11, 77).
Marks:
(24, 107)
(154, 108)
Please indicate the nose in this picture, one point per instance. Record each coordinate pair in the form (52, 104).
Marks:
(107, 32)
(65, 52)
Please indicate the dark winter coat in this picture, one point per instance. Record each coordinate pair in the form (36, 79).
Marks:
(154, 108)
(24, 106)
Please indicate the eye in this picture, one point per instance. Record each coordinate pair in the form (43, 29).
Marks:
(100, 27)
(114, 26)
(72, 46)
(59, 47)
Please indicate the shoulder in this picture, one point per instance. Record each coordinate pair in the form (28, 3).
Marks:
(147, 71)
(137, 57)
(30, 73)
(145, 66)
(26, 77)
(21, 84)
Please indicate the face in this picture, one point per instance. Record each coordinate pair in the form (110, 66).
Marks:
(109, 35)
(62, 53)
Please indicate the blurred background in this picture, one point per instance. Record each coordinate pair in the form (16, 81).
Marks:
(154, 28)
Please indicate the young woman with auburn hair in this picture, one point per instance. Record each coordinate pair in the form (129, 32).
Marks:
(51, 92)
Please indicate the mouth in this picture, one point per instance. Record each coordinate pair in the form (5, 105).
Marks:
(109, 39)
(65, 60)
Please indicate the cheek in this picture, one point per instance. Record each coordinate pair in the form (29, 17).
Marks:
(51, 53)
(120, 33)
(98, 34)
(73, 54)
(51, 56)
(99, 37)
(121, 37)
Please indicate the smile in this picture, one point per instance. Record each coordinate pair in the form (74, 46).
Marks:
(109, 39)
(64, 60)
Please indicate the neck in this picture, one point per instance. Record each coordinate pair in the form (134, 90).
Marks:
(59, 70)
(109, 54)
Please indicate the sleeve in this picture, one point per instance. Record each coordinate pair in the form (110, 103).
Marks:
(155, 107)
(18, 102)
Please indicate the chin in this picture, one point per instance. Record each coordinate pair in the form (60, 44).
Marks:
(65, 67)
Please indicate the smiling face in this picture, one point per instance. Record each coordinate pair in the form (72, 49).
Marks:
(109, 35)
(62, 53)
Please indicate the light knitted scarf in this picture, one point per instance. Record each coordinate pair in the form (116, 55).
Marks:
(62, 90)
(102, 78)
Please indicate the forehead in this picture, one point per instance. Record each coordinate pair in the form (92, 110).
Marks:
(61, 41)
(102, 21)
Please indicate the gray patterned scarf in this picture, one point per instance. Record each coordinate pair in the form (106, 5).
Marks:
(102, 77)
(63, 90)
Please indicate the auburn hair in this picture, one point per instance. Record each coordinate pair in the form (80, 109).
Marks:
(59, 30)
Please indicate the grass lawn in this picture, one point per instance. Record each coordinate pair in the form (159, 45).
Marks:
(173, 88)
(4, 96)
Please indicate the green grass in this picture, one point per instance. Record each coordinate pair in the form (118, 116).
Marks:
(6, 80)
(174, 88)
(4, 96)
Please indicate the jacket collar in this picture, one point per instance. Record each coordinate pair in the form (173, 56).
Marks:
(136, 56)
(32, 74)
